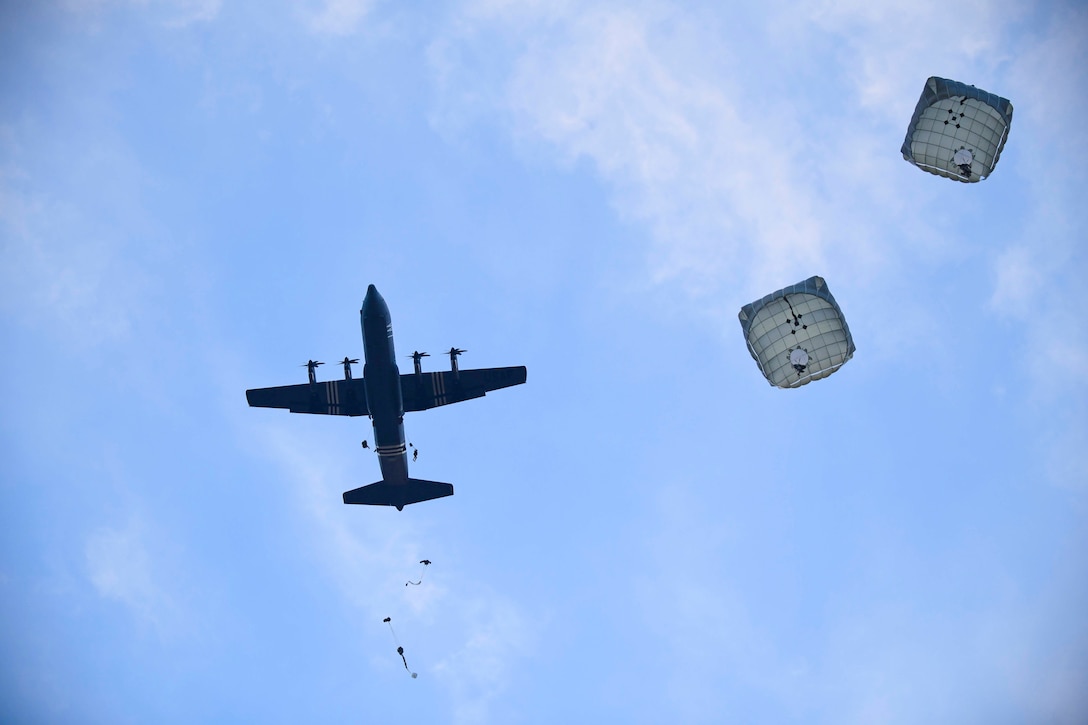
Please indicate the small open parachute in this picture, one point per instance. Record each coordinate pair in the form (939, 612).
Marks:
(400, 650)
(425, 563)
(797, 334)
(957, 130)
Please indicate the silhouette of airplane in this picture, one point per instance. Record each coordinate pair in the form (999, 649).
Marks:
(386, 395)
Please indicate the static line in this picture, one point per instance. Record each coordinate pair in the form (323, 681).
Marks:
(400, 650)
(426, 563)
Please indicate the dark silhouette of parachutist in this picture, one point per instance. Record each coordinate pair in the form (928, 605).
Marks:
(798, 358)
(425, 563)
(400, 650)
(366, 445)
(963, 160)
(415, 455)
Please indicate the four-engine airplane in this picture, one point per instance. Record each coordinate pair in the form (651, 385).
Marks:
(386, 395)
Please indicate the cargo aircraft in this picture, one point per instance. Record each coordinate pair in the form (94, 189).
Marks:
(386, 395)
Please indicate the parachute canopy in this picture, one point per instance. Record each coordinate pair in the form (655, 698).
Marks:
(957, 131)
(797, 334)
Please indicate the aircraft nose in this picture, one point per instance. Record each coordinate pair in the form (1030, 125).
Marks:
(373, 304)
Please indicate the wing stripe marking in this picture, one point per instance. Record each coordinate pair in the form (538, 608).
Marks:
(332, 395)
(438, 388)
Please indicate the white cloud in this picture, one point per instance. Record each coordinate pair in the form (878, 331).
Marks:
(120, 568)
(890, 48)
(479, 671)
(704, 132)
(371, 552)
(176, 14)
(340, 17)
(1039, 270)
(76, 259)
(182, 13)
(709, 165)
(1018, 282)
(892, 633)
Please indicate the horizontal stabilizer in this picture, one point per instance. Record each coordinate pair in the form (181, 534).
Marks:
(398, 493)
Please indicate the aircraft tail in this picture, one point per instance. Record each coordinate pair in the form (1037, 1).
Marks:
(398, 493)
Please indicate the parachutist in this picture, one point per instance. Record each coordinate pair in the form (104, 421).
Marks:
(366, 445)
(400, 650)
(415, 455)
(425, 563)
(799, 359)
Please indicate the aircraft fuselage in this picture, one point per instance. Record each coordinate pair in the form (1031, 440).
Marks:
(383, 392)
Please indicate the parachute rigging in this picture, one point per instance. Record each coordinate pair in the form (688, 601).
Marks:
(957, 131)
(426, 563)
(400, 650)
(797, 334)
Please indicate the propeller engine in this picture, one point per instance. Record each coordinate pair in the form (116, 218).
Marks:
(454, 352)
(416, 357)
(347, 363)
(311, 368)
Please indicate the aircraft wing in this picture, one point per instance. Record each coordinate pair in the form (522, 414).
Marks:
(429, 390)
(332, 397)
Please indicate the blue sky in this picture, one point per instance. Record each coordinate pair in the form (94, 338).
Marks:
(195, 194)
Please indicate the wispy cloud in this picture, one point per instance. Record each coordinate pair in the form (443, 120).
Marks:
(182, 13)
(1038, 271)
(879, 627)
(1017, 283)
(175, 14)
(372, 551)
(885, 46)
(498, 636)
(339, 17)
(697, 128)
(687, 123)
(73, 259)
(120, 566)
(708, 165)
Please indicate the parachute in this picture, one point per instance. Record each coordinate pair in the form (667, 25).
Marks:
(400, 650)
(957, 130)
(797, 334)
(425, 563)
